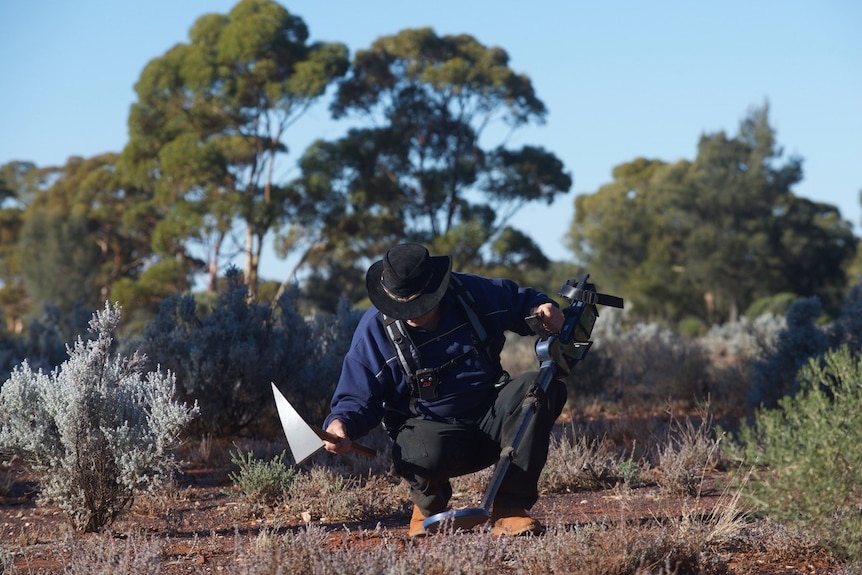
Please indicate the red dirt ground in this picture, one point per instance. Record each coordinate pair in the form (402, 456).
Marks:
(198, 530)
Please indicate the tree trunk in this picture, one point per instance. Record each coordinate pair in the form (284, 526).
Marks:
(252, 260)
(212, 268)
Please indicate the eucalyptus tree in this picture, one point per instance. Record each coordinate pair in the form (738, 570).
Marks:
(209, 124)
(19, 181)
(416, 164)
(708, 237)
(750, 236)
(84, 231)
(630, 230)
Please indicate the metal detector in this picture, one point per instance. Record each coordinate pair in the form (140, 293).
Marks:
(557, 354)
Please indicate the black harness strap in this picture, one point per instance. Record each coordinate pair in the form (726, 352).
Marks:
(407, 353)
(405, 350)
(471, 308)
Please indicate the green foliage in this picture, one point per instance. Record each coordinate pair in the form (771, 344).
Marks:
(854, 267)
(56, 245)
(809, 447)
(97, 429)
(87, 226)
(418, 171)
(707, 238)
(18, 181)
(514, 249)
(262, 481)
(691, 327)
(629, 472)
(336, 280)
(141, 296)
(775, 304)
(207, 129)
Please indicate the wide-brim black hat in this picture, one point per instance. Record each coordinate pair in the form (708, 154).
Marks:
(408, 282)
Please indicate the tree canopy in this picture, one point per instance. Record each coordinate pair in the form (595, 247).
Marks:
(706, 238)
(88, 228)
(210, 122)
(425, 157)
(417, 167)
(18, 183)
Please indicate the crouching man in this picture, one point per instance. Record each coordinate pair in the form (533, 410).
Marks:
(425, 360)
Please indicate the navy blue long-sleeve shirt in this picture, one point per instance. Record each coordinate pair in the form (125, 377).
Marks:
(371, 378)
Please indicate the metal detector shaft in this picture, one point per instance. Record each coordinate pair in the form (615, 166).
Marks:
(469, 517)
(580, 314)
(555, 353)
(528, 409)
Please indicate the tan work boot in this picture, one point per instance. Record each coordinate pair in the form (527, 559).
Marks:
(513, 521)
(416, 529)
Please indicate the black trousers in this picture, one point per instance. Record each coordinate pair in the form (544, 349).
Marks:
(427, 453)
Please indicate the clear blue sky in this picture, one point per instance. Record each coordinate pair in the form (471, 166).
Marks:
(620, 79)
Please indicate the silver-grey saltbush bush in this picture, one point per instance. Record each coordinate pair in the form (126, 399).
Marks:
(225, 359)
(97, 428)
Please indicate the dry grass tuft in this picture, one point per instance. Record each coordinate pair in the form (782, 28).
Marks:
(578, 463)
(324, 496)
(104, 554)
(690, 451)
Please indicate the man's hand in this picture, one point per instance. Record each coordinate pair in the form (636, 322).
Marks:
(552, 317)
(336, 428)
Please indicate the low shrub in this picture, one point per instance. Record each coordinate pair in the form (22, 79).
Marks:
(324, 495)
(849, 324)
(653, 364)
(775, 304)
(745, 339)
(577, 462)
(43, 346)
(774, 374)
(97, 429)
(687, 545)
(226, 354)
(809, 450)
(261, 481)
(108, 555)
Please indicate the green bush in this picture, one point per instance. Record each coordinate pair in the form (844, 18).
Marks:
(775, 304)
(262, 481)
(692, 327)
(809, 447)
